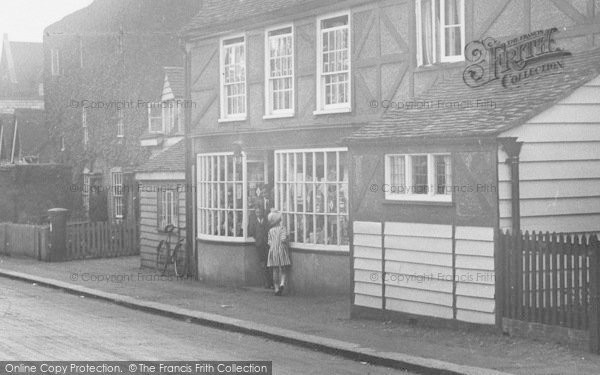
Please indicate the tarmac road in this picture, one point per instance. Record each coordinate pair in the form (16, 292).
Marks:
(38, 323)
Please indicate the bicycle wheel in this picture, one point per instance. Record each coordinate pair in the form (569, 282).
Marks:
(160, 254)
(168, 257)
(179, 260)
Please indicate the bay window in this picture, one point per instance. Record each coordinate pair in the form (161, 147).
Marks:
(440, 31)
(311, 191)
(279, 72)
(233, 79)
(418, 177)
(333, 64)
(227, 185)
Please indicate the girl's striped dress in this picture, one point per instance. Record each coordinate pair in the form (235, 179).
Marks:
(278, 247)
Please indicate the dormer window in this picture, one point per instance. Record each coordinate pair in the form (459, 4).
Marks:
(440, 31)
(172, 117)
(155, 124)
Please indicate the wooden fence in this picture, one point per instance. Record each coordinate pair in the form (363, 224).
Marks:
(550, 279)
(24, 240)
(101, 240)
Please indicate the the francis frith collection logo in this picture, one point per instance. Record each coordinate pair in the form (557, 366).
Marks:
(513, 61)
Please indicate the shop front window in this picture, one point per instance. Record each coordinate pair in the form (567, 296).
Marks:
(311, 190)
(227, 190)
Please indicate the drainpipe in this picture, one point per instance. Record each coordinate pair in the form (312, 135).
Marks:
(513, 149)
(189, 162)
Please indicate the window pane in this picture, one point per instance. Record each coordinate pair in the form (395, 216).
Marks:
(316, 202)
(397, 173)
(442, 174)
(419, 173)
(452, 12)
(453, 43)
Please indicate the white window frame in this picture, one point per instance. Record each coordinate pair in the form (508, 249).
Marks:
(291, 159)
(116, 178)
(404, 192)
(269, 111)
(170, 201)
(120, 124)
(205, 210)
(54, 62)
(169, 109)
(84, 125)
(322, 108)
(155, 106)
(224, 116)
(439, 34)
(86, 189)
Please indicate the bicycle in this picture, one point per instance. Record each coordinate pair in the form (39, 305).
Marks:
(175, 257)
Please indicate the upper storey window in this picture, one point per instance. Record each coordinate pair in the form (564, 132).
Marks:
(279, 72)
(333, 64)
(233, 79)
(440, 31)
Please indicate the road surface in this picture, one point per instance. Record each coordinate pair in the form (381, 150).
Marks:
(39, 323)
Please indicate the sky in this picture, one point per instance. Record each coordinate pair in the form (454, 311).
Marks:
(25, 20)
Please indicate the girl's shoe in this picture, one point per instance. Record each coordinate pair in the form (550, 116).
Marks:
(278, 291)
(281, 290)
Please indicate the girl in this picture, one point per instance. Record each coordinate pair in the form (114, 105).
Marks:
(279, 258)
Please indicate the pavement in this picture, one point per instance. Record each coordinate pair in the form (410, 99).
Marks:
(317, 322)
(45, 325)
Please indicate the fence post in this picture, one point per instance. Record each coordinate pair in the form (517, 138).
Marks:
(594, 296)
(58, 234)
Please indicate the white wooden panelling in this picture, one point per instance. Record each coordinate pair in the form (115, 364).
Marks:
(367, 264)
(418, 257)
(555, 171)
(571, 113)
(532, 152)
(368, 240)
(553, 207)
(367, 277)
(367, 227)
(416, 295)
(476, 290)
(437, 245)
(475, 262)
(475, 276)
(487, 305)
(475, 233)
(570, 132)
(553, 189)
(367, 252)
(579, 223)
(367, 301)
(479, 248)
(594, 82)
(585, 95)
(368, 289)
(475, 317)
(561, 132)
(419, 269)
(418, 308)
(418, 230)
(434, 283)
